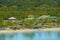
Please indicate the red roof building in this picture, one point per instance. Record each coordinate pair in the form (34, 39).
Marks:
(30, 16)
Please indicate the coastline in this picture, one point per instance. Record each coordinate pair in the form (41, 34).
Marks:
(30, 30)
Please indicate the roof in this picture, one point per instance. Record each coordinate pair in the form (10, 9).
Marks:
(44, 16)
(11, 18)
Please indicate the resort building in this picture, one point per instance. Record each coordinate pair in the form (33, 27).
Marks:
(44, 16)
(12, 18)
(30, 16)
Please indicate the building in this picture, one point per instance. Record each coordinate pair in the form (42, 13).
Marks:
(12, 18)
(44, 16)
(30, 16)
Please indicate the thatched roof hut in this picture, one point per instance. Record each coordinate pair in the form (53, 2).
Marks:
(12, 18)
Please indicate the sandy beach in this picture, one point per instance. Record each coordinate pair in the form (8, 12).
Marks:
(31, 30)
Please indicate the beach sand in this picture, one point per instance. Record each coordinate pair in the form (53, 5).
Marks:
(30, 30)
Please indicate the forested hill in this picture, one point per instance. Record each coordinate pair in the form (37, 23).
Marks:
(21, 8)
(34, 3)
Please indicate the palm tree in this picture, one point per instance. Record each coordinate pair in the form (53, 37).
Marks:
(29, 23)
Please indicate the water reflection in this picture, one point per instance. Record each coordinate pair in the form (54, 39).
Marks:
(6, 36)
(58, 35)
(41, 35)
(29, 35)
(2, 37)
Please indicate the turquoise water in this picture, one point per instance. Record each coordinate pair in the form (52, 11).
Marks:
(41, 35)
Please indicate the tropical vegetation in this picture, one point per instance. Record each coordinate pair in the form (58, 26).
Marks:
(21, 8)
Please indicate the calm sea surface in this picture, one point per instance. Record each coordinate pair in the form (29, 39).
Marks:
(40, 35)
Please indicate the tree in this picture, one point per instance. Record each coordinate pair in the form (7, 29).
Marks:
(29, 23)
(58, 20)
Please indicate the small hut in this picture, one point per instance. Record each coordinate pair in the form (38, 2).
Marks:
(12, 18)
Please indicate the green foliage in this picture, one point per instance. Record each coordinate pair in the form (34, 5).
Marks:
(21, 8)
(29, 23)
(1, 21)
(41, 21)
(9, 23)
(49, 20)
(58, 20)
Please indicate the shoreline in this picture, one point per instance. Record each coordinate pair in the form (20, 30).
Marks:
(30, 30)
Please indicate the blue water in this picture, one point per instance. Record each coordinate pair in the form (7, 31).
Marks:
(40, 35)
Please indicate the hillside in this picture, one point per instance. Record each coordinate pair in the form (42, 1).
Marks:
(21, 8)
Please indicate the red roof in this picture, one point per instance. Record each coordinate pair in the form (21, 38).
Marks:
(30, 14)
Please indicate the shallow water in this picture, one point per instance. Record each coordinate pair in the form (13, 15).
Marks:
(39, 35)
